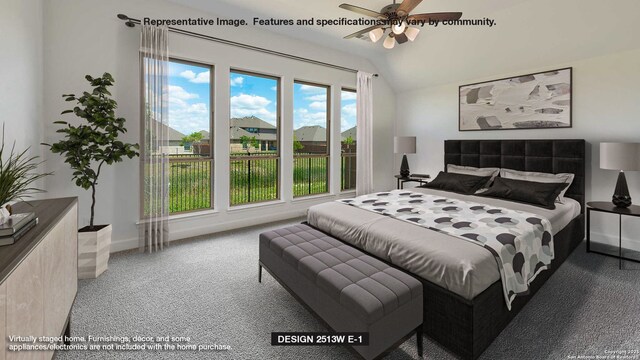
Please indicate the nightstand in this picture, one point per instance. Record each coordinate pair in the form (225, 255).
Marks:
(424, 179)
(608, 207)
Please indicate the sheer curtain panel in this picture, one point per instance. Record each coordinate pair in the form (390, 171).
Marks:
(364, 137)
(154, 60)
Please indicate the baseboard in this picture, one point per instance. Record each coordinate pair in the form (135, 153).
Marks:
(129, 244)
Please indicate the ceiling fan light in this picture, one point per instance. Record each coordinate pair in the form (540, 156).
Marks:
(376, 34)
(389, 42)
(398, 27)
(411, 33)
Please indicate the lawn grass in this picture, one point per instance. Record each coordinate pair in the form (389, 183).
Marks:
(253, 180)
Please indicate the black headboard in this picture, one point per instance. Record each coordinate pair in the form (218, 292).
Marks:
(550, 156)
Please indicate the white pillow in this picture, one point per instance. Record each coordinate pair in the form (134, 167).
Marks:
(540, 177)
(470, 170)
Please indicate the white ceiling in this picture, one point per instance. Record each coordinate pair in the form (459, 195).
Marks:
(528, 34)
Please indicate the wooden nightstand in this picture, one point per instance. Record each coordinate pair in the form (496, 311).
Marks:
(411, 178)
(608, 207)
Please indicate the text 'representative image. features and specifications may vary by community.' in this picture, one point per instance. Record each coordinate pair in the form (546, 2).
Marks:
(312, 21)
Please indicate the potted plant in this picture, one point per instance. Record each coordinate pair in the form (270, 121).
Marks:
(17, 175)
(87, 147)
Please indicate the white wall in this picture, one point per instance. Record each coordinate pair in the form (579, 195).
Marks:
(21, 74)
(605, 108)
(85, 37)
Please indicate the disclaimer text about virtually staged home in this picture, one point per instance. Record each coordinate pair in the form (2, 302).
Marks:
(170, 343)
(110, 343)
(320, 22)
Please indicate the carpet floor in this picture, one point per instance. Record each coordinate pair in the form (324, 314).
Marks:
(207, 289)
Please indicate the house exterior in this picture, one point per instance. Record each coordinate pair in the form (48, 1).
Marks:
(249, 127)
(349, 133)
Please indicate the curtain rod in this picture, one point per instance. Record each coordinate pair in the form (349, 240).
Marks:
(131, 22)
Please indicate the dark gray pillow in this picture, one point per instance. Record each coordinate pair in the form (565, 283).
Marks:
(529, 192)
(459, 183)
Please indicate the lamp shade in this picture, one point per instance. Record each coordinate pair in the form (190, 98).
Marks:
(389, 42)
(620, 156)
(376, 34)
(404, 144)
(411, 33)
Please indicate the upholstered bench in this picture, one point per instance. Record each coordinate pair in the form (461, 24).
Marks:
(347, 289)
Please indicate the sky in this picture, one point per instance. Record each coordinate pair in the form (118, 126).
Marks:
(189, 100)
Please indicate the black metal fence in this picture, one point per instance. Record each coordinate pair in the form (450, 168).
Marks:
(348, 176)
(310, 175)
(253, 178)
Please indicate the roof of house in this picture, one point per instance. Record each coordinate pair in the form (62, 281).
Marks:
(236, 133)
(349, 133)
(251, 122)
(311, 133)
(173, 134)
(205, 134)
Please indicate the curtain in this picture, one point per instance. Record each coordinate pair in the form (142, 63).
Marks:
(154, 53)
(364, 137)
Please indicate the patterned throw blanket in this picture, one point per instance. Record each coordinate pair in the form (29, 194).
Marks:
(521, 242)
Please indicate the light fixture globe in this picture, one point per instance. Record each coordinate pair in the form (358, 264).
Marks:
(389, 42)
(398, 27)
(411, 33)
(376, 34)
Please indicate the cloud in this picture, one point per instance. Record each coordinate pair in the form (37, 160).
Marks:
(188, 118)
(348, 116)
(274, 88)
(318, 105)
(303, 117)
(310, 89)
(177, 92)
(237, 81)
(348, 95)
(349, 110)
(246, 105)
(199, 78)
(321, 97)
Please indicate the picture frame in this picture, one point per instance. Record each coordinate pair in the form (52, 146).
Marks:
(540, 100)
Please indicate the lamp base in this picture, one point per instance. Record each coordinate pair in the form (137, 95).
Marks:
(404, 167)
(621, 197)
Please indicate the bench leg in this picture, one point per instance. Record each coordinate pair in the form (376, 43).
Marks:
(419, 340)
(259, 273)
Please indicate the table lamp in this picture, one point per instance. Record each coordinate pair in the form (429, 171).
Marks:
(620, 156)
(404, 145)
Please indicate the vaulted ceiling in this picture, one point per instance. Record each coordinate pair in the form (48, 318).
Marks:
(528, 34)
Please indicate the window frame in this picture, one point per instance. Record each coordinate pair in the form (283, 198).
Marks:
(278, 155)
(211, 156)
(352, 90)
(328, 153)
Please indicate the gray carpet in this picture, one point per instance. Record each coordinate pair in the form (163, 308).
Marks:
(207, 289)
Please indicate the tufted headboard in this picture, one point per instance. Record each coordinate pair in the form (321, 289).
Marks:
(550, 156)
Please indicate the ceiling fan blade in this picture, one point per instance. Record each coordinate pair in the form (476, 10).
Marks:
(402, 38)
(363, 31)
(362, 11)
(436, 16)
(407, 6)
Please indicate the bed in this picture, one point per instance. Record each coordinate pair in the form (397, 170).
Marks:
(464, 306)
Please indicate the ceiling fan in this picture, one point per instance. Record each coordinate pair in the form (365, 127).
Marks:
(396, 18)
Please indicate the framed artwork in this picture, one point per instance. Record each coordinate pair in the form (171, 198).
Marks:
(533, 101)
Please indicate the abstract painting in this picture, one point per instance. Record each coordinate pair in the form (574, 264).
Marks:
(533, 101)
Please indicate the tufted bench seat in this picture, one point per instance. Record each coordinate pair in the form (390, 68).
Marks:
(346, 288)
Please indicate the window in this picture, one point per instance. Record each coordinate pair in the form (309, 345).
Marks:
(348, 130)
(190, 145)
(253, 138)
(310, 139)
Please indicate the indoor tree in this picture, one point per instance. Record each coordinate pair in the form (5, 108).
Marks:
(87, 147)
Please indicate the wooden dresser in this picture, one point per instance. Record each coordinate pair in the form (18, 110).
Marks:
(39, 276)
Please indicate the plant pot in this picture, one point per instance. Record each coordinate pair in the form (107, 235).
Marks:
(5, 213)
(93, 251)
